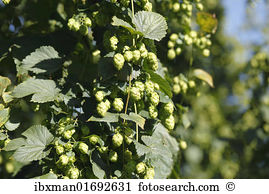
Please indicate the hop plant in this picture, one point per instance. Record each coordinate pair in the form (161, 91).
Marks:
(150, 173)
(136, 55)
(83, 148)
(169, 108)
(113, 42)
(153, 112)
(154, 98)
(169, 122)
(73, 24)
(153, 61)
(128, 56)
(118, 61)
(102, 108)
(140, 86)
(63, 160)
(99, 96)
(149, 86)
(113, 156)
(68, 134)
(118, 104)
(73, 173)
(140, 168)
(59, 149)
(135, 94)
(94, 139)
(117, 140)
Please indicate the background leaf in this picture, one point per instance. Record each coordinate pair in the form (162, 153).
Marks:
(203, 75)
(4, 116)
(4, 83)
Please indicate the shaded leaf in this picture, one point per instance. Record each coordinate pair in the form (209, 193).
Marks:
(37, 138)
(15, 144)
(159, 149)
(152, 25)
(203, 75)
(139, 120)
(4, 116)
(11, 126)
(43, 59)
(186, 122)
(109, 117)
(42, 90)
(4, 83)
(119, 22)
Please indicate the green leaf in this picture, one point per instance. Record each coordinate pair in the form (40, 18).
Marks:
(42, 90)
(119, 22)
(11, 126)
(202, 75)
(4, 83)
(97, 171)
(207, 22)
(49, 175)
(164, 85)
(37, 138)
(139, 120)
(15, 144)
(152, 25)
(43, 59)
(4, 116)
(160, 149)
(109, 117)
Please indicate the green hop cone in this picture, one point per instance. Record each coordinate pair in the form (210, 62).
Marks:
(136, 55)
(183, 86)
(148, 6)
(102, 108)
(154, 98)
(171, 54)
(153, 61)
(73, 173)
(174, 37)
(68, 146)
(128, 56)
(200, 6)
(99, 96)
(143, 50)
(88, 22)
(94, 139)
(73, 24)
(168, 108)
(176, 88)
(118, 104)
(156, 86)
(169, 122)
(176, 7)
(6, 1)
(68, 134)
(128, 140)
(72, 159)
(153, 112)
(103, 149)
(117, 140)
(59, 149)
(118, 61)
(135, 94)
(206, 52)
(178, 51)
(171, 44)
(128, 154)
(150, 173)
(192, 84)
(139, 85)
(141, 168)
(63, 160)
(149, 86)
(113, 42)
(113, 156)
(83, 148)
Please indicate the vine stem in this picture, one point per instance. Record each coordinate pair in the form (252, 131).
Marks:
(136, 126)
(128, 97)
